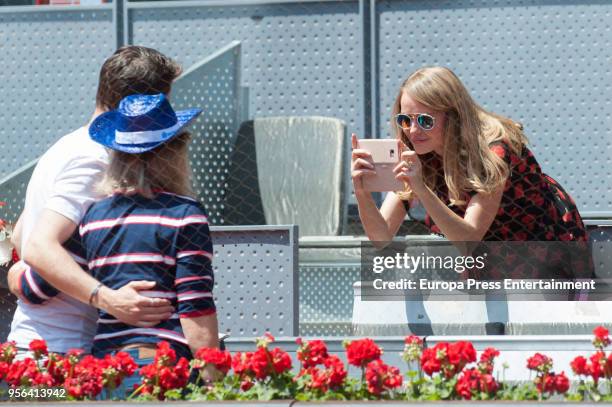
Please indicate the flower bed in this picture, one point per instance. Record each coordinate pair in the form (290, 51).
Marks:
(446, 371)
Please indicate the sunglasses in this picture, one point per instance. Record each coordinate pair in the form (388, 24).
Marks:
(423, 120)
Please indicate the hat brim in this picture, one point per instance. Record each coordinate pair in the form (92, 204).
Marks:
(102, 130)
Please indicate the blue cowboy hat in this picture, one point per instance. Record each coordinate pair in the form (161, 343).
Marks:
(140, 123)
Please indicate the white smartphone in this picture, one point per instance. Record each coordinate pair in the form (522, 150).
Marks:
(385, 156)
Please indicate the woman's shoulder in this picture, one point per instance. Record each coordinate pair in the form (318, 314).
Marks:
(512, 155)
(100, 206)
(181, 203)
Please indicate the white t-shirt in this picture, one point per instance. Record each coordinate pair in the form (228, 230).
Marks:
(64, 181)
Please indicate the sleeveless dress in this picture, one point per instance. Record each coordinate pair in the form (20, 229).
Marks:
(535, 208)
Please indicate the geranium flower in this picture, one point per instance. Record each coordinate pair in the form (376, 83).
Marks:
(361, 352)
(311, 353)
(221, 360)
(539, 362)
(602, 338)
(381, 377)
(39, 348)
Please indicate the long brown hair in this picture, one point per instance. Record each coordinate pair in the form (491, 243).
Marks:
(165, 168)
(468, 163)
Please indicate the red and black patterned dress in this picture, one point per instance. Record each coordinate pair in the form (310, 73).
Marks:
(535, 208)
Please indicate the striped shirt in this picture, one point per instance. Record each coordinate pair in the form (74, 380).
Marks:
(127, 238)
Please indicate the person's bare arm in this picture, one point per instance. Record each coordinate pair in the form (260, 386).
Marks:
(203, 332)
(14, 279)
(44, 252)
(16, 235)
(479, 215)
(379, 225)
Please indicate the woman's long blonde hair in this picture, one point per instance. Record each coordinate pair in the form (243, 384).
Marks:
(165, 168)
(468, 163)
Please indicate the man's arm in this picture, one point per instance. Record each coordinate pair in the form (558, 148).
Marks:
(28, 285)
(45, 253)
(16, 235)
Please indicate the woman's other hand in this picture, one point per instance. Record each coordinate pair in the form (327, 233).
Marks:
(361, 164)
(410, 170)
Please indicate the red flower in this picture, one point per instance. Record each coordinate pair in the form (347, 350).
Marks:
(8, 351)
(124, 364)
(221, 360)
(361, 352)
(174, 377)
(461, 353)
(488, 355)
(381, 377)
(332, 376)
(87, 379)
(471, 382)
(579, 366)
(488, 383)
(413, 340)
(39, 347)
(551, 383)
(117, 367)
(241, 363)
(164, 355)
(260, 363)
(162, 375)
(562, 383)
(22, 372)
(545, 383)
(601, 339)
(467, 382)
(246, 384)
(487, 358)
(539, 362)
(448, 358)
(58, 368)
(598, 360)
(429, 361)
(281, 361)
(44, 380)
(4, 368)
(336, 373)
(311, 353)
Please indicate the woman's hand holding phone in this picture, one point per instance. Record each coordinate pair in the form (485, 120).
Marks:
(409, 170)
(361, 164)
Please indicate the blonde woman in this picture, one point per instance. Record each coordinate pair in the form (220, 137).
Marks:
(470, 169)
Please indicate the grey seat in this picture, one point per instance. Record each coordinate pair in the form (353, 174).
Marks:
(289, 170)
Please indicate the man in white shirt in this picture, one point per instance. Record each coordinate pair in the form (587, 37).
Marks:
(61, 189)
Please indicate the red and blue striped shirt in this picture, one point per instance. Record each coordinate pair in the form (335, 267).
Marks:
(128, 237)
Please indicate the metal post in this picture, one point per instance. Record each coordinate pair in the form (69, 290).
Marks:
(364, 19)
(375, 112)
(120, 17)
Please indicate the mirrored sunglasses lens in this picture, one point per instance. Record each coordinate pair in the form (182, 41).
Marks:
(403, 121)
(425, 121)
